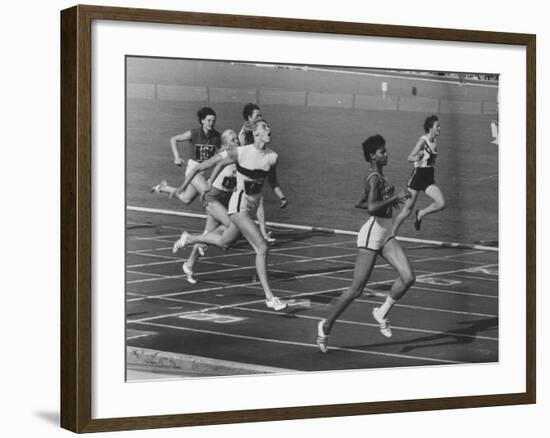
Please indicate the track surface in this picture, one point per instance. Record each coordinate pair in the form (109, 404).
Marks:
(449, 316)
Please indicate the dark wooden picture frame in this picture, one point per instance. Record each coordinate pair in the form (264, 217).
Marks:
(76, 218)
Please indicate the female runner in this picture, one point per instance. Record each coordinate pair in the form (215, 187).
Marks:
(255, 163)
(200, 144)
(374, 238)
(422, 179)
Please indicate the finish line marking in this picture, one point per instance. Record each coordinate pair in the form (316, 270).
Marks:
(320, 229)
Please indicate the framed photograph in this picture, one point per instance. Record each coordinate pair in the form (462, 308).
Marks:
(270, 219)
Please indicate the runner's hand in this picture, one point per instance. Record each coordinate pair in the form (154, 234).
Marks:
(179, 161)
(208, 188)
(402, 196)
(284, 203)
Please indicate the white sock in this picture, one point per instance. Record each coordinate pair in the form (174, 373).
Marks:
(386, 307)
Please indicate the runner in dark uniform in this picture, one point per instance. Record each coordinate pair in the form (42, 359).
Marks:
(197, 145)
(422, 179)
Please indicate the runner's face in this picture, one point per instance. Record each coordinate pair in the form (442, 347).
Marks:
(263, 132)
(380, 157)
(436, 129)
(208, 123)
(256, 114)
(232, 140)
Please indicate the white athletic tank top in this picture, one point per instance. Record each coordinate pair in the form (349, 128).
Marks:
(253, 165)
(227, 178)
(428, 153)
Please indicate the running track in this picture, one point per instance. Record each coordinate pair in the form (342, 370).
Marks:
(450, 315)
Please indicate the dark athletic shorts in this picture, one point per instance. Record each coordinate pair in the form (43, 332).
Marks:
(421, 178)
(215, 194)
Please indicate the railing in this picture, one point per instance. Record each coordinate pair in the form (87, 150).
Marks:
(266, 96)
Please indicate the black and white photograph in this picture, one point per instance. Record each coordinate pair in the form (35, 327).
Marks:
(289, 218)
(270, 219)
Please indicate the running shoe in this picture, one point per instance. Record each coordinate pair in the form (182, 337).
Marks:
(181, 242)
(188, 274)
(275, 303)
(417, 222)
(385, 328)
(157, 189)
(202, 249)
(322, 339)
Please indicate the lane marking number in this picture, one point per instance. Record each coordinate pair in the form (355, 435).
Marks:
(484, 270)
(438, 281)
(212, 317)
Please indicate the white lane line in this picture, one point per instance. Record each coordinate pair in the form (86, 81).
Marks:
(237, 267)
(178, 260)
(130, 338)
(433, 309)
(240, 306)
(321, 229)
(455, 292)
(473, 277)
(158, 256)
(230, 255)
(371, 292)
(211, 308)
(160, 240)
(272, 266)
(305, 276)
(279, 252)
(188, 292)
(152, 225)
(330, 277)
(451, 256)
(161, 236)
(165, 277)
(234, 250)
(248, 251)
(145, 274)
(305, 259)
(321, 294)
(450, 259)
(303, 344)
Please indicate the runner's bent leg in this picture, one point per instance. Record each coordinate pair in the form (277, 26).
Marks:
(396, 257)
(364, 263)
(222, 240)
(210, 225)
(219, 212)
(438, 203)
(197, 186)
(405, 211)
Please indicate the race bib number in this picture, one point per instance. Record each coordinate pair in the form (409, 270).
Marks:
(204, 151)
(229, 182)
